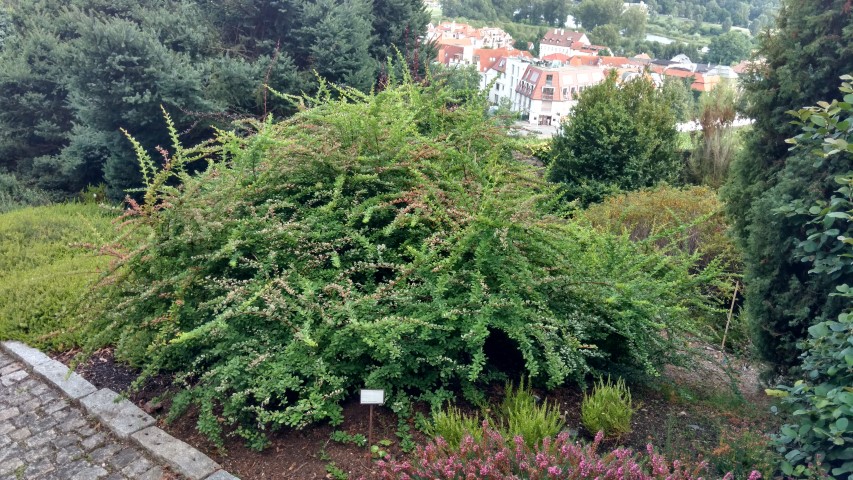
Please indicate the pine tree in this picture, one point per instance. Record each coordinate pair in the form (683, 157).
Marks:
(397, 24)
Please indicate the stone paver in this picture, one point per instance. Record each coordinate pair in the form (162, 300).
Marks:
(181, 457)
(122, 416)
(44, 436)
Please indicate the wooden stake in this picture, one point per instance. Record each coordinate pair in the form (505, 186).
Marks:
(729, 321)
(370, 434)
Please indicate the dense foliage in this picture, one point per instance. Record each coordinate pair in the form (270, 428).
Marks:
(619, 137)
(729, 48)
(386, 240)
(695, 212)
(534, 12)
(741, 13)
(73, 73)
(690, 220)
(593, 13)
(822, 436)
(489, 457)
(45, 271)
(809, 50)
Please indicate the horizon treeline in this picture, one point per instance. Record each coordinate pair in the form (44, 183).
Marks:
(74, 73)
(741, 13)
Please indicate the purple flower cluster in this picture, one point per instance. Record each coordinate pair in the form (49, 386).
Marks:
(493, 458)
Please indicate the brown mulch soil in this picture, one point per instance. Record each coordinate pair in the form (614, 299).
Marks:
(681, 414)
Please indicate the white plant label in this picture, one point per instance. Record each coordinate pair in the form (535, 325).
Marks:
(372, 397)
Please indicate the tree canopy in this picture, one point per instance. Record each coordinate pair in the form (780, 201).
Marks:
(729, 48)
(592, 13)
(619, 137)
(73, 74)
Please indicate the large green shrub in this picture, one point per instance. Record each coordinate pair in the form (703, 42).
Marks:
(386, 240)
(14, 194)
(679, 221)
(696, 213)
(619, 137)
(45, 272)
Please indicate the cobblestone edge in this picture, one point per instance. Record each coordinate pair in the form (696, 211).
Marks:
(124, 419)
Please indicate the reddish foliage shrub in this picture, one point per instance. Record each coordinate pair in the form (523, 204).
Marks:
(493, 458)
(689, 219)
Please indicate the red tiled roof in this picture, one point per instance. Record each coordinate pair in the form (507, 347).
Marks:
(557, 57)
(535, 79)
(446, 53)
(488, 56)
(562, 37)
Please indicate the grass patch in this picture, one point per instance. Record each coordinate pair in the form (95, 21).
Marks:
(44, 273)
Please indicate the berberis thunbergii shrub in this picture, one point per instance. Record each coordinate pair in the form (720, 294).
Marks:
(381, 240)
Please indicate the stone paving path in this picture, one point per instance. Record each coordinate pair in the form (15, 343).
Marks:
(44, 436)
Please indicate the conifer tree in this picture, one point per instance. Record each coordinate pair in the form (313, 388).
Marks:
(342, 36)
(119, 79)
(807, 52)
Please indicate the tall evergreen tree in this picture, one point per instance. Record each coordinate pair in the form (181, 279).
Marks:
(120, 78)
(811, 47)
(342, 35)
(397, 24)
(72, 72)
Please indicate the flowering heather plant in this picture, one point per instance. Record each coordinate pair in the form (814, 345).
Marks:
(560, 457)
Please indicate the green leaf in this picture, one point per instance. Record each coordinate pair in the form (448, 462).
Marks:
(819, 330)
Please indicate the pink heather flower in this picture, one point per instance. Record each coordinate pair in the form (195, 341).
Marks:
(599, 437)
(754, 475)
(554, 471)
(729, 476)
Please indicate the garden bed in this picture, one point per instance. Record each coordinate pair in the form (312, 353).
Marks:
(684, 414)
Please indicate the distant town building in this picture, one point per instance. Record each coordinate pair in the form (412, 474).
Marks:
(703, 77)
(560, 40)
(548, 94)
(488, 37)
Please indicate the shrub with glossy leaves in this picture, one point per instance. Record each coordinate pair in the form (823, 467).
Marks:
(821, 435)
(379, 240)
